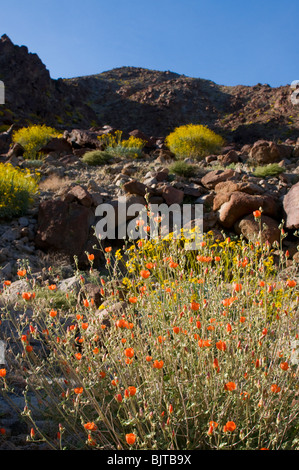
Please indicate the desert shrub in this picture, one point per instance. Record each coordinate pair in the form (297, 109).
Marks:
(181, 168)
(96, 157)
(194, 141)
(273, 169)
(127, 148)
(17, 188)
(33, 138)
(205, 355)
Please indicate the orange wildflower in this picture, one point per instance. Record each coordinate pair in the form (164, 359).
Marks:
(91, 426)
(291, 283)
(21, 272)
(2, 373)
(221, 345)
(78, 390)
(230, 426)
(257, 214)
(129, 352)
(158, 364)
(284, 366)
(130, 438)
(194, 305)
(145, 273)
(275, 388)
(230, 386)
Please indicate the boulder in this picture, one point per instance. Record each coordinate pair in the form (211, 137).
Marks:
(249, 228)
(57, 144)
(136, 187)
(170, 194)
(217, 176)
(291, 207)
(80, 195)
(63, 227)
(242, 204)
(264, 152)
(226, 188)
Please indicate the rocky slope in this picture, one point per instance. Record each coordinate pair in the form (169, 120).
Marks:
(128, 98)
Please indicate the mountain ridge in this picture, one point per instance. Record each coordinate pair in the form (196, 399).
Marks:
(127, 98)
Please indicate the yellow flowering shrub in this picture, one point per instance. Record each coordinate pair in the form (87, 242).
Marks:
(33, 138)
(131, 147)
(194, 141)
(17, 188)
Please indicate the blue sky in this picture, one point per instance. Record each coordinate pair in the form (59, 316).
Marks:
(231, 42)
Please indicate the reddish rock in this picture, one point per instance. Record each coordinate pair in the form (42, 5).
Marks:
(79, 194)
(59, 145)
(231, 157)
(291, 207)
(249, 228)
(136, 187)
(171, 195)
(226, 188)
(242, 204)
(264, 152)
(217, 176)
(63, 227)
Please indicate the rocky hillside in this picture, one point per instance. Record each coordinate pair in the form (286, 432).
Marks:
(128, 98)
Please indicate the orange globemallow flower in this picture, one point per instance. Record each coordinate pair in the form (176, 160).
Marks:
(291, 283)
(158, 364)
(230, 426)
(221, 345)
(129, 352)
(78, 390)
(21, 272)
(53, 313)
(176, 329)
(284, 366)
(275, 388)
(132, 390)
(212, 425)
(91, 257)
(132, 300)
(130, 438)
(28, 295)
(108, 249)
(237, 287)
(194, 306)
(257, 214)
(91, 426)
(145, 273)
(2, 373)
(230, 386)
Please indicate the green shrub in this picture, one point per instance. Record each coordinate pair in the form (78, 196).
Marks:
(116, 147)
(273, 169)
(194, 141)
(181, 168)
(16, 190)
(33, 138)
(96, 157)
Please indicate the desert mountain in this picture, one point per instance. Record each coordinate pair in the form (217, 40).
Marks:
(130, 98)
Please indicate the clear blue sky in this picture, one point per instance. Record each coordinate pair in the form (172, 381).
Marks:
(231, 42)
